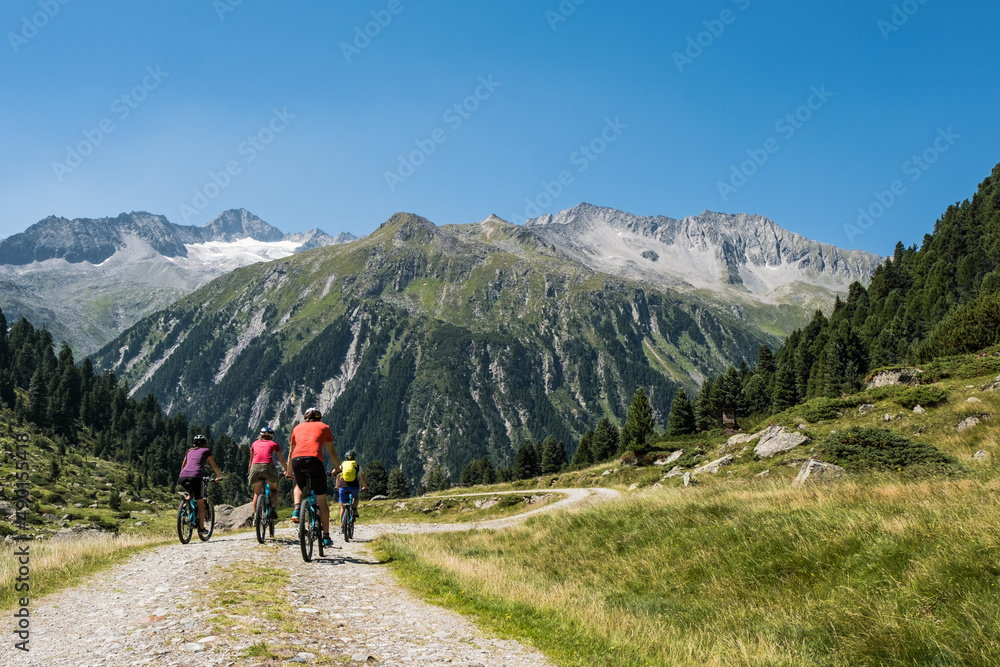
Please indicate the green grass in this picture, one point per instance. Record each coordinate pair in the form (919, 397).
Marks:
(892, 567)
(449, 508)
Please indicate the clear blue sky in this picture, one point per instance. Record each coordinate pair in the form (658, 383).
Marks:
(677, 126)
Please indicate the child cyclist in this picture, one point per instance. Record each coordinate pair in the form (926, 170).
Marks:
(350, 480)
(261, 467)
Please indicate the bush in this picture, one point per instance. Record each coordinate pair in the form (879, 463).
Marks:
(819, 409)
(881, 449)
(54, 498)
(102, 523)
(922, 395)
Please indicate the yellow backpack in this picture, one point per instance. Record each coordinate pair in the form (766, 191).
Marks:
(349, 471)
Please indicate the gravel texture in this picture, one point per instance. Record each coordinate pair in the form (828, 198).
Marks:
(346, 609)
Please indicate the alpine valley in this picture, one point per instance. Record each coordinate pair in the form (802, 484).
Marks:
(428, 345)
(87, 280)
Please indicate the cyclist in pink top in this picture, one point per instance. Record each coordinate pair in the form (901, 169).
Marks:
(261, 468)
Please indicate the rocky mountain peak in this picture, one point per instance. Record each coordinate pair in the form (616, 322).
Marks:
(236, 224)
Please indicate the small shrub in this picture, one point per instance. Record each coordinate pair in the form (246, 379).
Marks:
(630, 458)
(925, 395)
(882, 449)
(819, 409)
(509, 500)
(54, 498)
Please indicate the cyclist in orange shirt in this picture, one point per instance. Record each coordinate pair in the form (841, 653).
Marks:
(305, 454)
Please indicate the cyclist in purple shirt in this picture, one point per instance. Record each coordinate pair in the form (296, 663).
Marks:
(192, 474)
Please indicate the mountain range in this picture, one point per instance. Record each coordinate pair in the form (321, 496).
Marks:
(428, 344)
(87, 280)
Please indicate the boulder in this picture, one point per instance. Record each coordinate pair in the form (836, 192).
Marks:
(902, 376)
(230, 518)
(817, 471)
(715, 465)
(380, 497)
(676, 471)
(633, 487)
(78, 532)
(919, 409)
(670, 459)
(972, 399)
(967, 423)
(688, 480)
(741, 439)
(764, 473)
(992, 387)
(865, 408)
(981, 455)
(777, 439)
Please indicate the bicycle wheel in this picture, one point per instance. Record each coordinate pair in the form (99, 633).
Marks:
(305, 531)
(184, 527)
(318, 530)
(209, 521)
(350, 526)
(260, 517)
(345, 524)
(270, 521)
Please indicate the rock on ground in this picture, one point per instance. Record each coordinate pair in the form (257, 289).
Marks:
(777, 439)
(817, 471)
(715, 465)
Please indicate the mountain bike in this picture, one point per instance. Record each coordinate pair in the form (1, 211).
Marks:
(187, 516)
(310, 523)
(347, 521)
(264, 514)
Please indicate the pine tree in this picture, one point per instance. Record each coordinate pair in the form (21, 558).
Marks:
(765, 360)
(706, 416)
(553, 456)
(398, 486)
(681, 420)
(785, 393)
(38, 398)
(605, 443)
(526, 462)
(638, 424)
(438, 479)
(115, 499)
(584, 455)
(727, 393)
(377, 479)
(54, 470)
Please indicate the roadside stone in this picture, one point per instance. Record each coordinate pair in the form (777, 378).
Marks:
(817, 471)
(919, 409)
(777, 439)
(981, 455)
(967, 423)
(676, 471)
(633, 487)
(380, 497)
(714, 466)
(802, 427)
(865, 408)
(902, 376)
(237, 517)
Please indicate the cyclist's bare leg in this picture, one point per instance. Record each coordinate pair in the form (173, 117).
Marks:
(201, 513)
(274, 494)
(257, 489)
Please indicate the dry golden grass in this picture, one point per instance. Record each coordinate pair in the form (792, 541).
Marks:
(58, 564)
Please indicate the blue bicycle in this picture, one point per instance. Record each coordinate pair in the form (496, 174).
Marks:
(310, 524)
(264, 514)
(187, 517)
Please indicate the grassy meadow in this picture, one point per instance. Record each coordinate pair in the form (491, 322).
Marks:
(896, 566)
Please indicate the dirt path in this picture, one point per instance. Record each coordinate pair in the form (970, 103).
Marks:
(347, 609)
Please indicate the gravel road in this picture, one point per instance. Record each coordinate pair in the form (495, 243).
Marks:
(346, 609)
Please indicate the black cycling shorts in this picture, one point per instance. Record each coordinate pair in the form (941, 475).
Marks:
(304, 467)
(193, 485)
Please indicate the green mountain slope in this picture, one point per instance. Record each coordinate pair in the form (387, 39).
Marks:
(427, 344)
